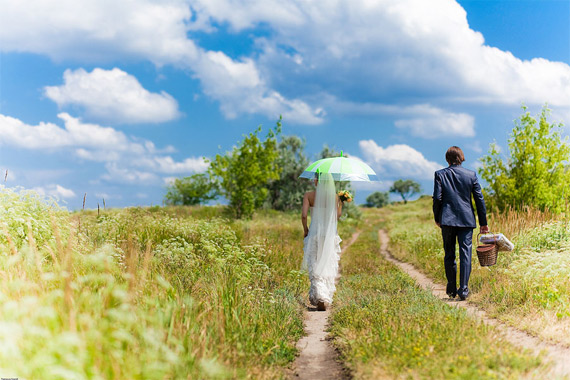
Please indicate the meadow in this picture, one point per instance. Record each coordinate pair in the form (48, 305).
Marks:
(386, 326)
(147, 293)
(185, 293)
(528, 288)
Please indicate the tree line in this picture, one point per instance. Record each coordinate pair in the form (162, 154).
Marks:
(263, 173)
(256, 173)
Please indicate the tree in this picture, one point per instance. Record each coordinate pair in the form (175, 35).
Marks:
(536, 171)
(327, 152)
(406, 188)
(192, 190)
(244, 174)
(286, 193)
(378, 199)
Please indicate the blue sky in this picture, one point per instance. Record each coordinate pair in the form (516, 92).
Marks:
(113, 99)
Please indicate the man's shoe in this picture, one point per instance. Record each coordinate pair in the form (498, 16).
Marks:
(451, 290)
(321, 306)
(463, 293)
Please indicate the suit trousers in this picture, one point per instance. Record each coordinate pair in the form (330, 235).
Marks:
(464, 237)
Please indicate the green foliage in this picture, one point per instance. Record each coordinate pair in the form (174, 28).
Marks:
(406, 188)
(139, 294)
(244, 174)
(189, 191)
(386, 326)
(256, 173)
(21, 209)
(378, 199)
(527, 288)
(286, 193)
(350, 211)
(415, 238)
(327, 152)
(536, 171)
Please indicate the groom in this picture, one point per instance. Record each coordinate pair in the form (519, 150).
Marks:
(454, 214)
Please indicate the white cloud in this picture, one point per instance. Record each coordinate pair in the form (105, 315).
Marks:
(241, 14)
(239, 88)
(375, 52)
(421, 120)
(99, 30)
(388, 50)
(166, 164)
(98, 156)
(123, 156)
(113, 95)
(74, 134)
(398, 161)
(120, 174)
(439, 124)
(44, 135)
(169, 180)
(106, 30)
(56, 191)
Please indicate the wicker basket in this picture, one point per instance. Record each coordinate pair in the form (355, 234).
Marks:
(487, 253)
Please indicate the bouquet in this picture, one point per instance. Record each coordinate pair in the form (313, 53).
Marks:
(345, 196)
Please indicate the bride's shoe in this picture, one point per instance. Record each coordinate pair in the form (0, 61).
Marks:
(321, 306)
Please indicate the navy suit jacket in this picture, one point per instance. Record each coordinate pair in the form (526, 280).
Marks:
(452, 204)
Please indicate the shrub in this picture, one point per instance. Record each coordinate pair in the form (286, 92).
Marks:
(535, 173)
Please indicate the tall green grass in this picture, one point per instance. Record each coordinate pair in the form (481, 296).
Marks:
(385, 326)
(528, 287)
(147, 293)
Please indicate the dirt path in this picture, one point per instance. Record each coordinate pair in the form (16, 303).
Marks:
(557, 355)
(317, 358)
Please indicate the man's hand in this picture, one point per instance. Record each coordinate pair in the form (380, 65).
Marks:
(305, 233)
(484, 229)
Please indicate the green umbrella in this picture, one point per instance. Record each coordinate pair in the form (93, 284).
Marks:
(342, 169)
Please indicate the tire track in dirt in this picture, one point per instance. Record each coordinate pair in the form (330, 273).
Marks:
(317, 358)
(558, 356)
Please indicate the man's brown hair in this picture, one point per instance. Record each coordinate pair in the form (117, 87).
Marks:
(454, 156)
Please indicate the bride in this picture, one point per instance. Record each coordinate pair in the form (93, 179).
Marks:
(321, 243)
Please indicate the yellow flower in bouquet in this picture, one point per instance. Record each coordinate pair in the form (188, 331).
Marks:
(345, 196)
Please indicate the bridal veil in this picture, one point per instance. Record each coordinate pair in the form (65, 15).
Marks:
(322, 244)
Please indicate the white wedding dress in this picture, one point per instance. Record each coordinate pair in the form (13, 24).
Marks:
(322, 244)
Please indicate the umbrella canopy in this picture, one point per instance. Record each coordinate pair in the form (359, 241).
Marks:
(342, 169)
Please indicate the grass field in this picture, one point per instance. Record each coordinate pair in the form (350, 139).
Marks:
(182, 293)
(528, 288)
(147, 293)
(385, 326)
